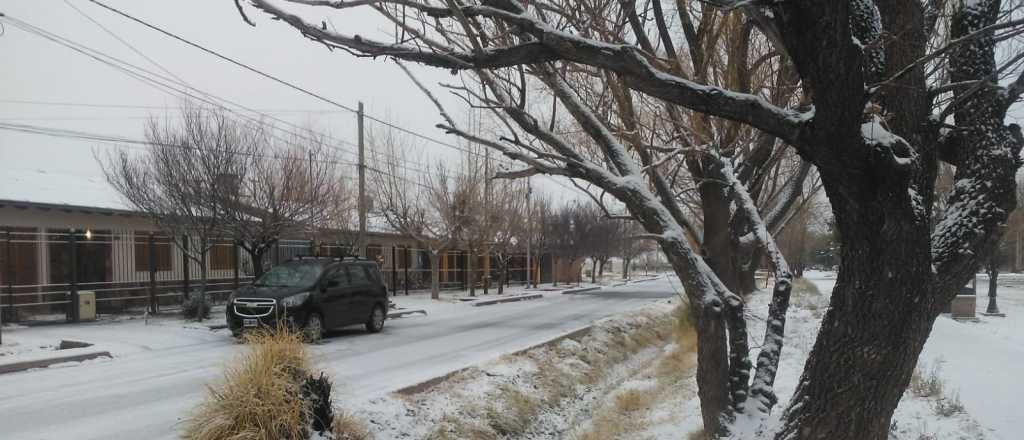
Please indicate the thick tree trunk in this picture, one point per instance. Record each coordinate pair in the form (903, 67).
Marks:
(593, 272)
(503, 274)
(554, 270)
(256, 257)
(879, 318)
(625, 268)
(435, 275)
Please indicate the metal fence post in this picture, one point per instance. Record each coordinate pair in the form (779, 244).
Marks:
(394, 270)
(73, 287)
(184, 265)
(277, 252)
(12, 316)
(237, 257)
(9, 277)
(152, 274)
(408, 261)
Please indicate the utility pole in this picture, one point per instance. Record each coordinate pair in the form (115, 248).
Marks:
(312, 228)
(529, 233)
(362, 185)
(487, 217)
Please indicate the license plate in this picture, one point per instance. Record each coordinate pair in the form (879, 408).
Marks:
(250, 322)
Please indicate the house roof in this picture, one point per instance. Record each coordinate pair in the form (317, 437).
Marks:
(72, 192)
(54, 188)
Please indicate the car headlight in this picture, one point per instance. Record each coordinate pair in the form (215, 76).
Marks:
(294, 300)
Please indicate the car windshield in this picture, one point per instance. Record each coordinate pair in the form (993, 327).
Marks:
(291, 275)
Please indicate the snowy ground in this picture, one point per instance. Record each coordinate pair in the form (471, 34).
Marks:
(160, 367)
(978, 364)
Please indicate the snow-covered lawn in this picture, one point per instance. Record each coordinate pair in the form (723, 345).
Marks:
(978, 363)
(160, 369)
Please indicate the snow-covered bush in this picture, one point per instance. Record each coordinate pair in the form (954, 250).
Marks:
(196, 307)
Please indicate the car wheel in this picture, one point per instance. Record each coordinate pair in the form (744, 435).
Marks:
(313, 331)
(376, 322)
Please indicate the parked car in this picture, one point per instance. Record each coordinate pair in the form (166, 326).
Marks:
(313, 294)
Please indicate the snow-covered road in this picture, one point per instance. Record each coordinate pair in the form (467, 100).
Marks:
(161, 370)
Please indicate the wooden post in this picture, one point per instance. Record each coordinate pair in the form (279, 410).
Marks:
(408, 261)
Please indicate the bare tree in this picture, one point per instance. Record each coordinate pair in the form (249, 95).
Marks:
(506, 209)
(288, 185)
(875, 115)
(178, 180)
(433, 208)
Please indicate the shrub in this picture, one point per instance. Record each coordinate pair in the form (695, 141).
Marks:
(949, 406)
(926, 382)
(196, 307)
(268, 394)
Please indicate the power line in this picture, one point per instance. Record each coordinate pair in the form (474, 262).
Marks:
(277, 79)
(296, 87)
(160, 82)
(97, 55)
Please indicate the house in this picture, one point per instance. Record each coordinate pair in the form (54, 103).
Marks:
(61, 234)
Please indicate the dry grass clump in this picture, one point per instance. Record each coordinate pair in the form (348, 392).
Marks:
(803, 286)
(949, 406)
(625, 416)
(512, 411)
(927, 382)
(806, 295)
(260, 397)
(457, 428)
(268, 394)
(682, 358)
(348, 427)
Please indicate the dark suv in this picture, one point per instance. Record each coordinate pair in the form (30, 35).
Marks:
(313, 294)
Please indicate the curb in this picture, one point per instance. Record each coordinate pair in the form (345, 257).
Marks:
(43, 363)
(580, 290)
(487, 302)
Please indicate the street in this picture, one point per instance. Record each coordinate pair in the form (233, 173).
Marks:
(147, 392)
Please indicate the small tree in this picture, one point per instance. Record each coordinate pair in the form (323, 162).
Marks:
(411, 203)
(287, 186)
(177, 181)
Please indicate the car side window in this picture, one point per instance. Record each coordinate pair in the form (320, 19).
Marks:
(374, 273)
(340, 276)
(358, 275)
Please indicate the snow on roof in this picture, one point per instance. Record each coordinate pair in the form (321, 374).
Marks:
(55, 188)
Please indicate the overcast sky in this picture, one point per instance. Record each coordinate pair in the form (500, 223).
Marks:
(42, 73)
(39, 71)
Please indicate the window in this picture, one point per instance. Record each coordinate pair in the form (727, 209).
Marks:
(161, 252)
(358, 275)
(339, 275)
(373, 272)
(291, 275)
(24, 257)
(93, 259)
(222, 257)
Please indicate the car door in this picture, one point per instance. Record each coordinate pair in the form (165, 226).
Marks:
(362, 291)
(335, 297)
